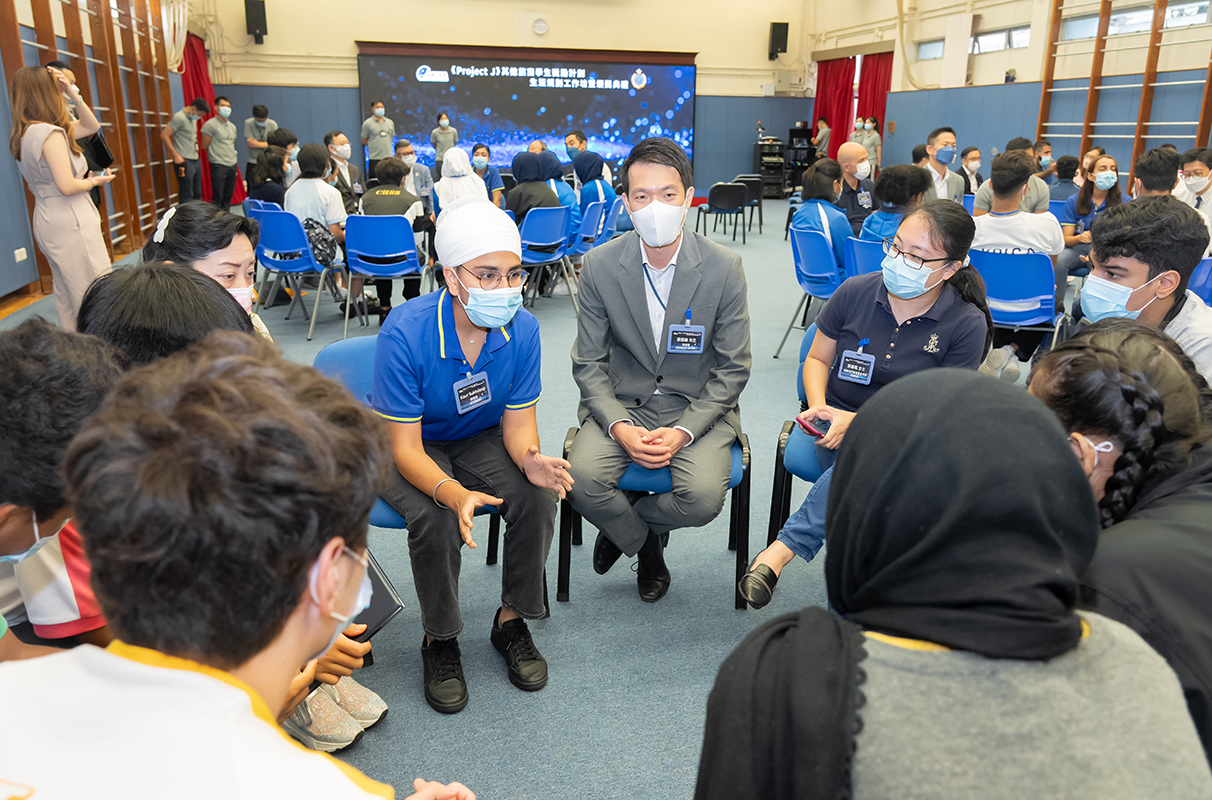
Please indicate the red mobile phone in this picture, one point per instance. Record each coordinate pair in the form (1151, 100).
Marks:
(817, 428)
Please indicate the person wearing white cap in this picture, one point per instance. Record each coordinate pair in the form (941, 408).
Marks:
(456, 376)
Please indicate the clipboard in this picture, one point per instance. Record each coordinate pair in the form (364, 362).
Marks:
(385, 603)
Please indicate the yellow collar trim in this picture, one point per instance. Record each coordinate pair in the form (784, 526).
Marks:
(930, 647)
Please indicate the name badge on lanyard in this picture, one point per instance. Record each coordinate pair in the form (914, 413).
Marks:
(864, 198)
(472, 392)
(686, 338)
(857, 366)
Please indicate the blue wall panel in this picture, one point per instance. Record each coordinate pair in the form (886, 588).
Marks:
(308, 112)
(14, 224)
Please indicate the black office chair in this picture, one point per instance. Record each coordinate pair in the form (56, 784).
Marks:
(725, 199)
(755, 184)
(508, 180)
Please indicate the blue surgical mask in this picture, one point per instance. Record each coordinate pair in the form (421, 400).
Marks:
(904, 280)
(294, 153)
(380, 111)
(1045, 161)
(225, 111)
(572, 152)
(1101, 298)
(444, 123)
(491, 308)
(1105, 180)
(945, 155)
(39, 543)
(260, 122)
(868, 126)
(479, 162)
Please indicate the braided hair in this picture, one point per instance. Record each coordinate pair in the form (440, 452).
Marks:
(1131, 390)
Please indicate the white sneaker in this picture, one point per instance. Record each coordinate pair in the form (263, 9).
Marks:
(361, 703)
(1001, 363)
(320, 724)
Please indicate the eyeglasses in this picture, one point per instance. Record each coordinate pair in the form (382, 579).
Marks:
(490, 280)
(916, 262)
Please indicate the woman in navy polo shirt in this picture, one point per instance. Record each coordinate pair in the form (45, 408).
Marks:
(1098, 193)
(925, 309)
(457, 375)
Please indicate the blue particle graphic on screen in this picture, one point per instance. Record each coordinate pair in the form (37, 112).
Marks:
(505, 102)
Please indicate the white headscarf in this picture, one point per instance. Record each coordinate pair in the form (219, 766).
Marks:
(471, 227)
(458, 179)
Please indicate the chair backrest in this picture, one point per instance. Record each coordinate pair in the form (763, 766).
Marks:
(863, 256)
(815, 266)
(511, 216)
(545, 228)
(591, 222)
(805, 346)
(252, 205)
(1201, 280)
(350, 361)
(727, 196)
(282, 233)
(969, 201)
(508, 180)
(387, 237)
(610, 224)
(1021, 287)
(1056, 207)
(755, 187)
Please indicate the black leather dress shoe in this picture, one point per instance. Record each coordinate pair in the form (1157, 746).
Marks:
(604, 554)
(757, 587)
(652, 577)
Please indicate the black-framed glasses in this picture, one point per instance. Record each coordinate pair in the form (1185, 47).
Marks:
(916, 262)
(490, 279)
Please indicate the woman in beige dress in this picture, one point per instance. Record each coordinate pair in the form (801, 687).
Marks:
(66, 224)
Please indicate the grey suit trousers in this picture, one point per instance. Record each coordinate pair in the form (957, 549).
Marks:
(700, 471)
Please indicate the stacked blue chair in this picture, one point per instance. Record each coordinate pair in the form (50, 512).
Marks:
(389, 240)
(610, 224)
(863, 256)
(796, 452)
(816, 271)
(545, 245)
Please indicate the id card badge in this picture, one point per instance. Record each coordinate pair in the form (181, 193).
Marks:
(357, 187)
(686, 339)
(857, 366)
(864, 199)
(472, 392)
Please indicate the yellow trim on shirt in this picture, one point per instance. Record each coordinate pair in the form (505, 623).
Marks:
(398, 419)
(441, 330)
(154, 658)
(505, 333)
(931, 647)
(523, 405)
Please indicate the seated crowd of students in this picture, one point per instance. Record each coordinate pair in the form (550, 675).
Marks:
(1025, 616)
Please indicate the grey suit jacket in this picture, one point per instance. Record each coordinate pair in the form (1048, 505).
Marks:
(617, 365)
(955, 188)
(348, 196)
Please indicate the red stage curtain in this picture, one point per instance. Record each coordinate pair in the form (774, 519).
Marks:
(195, 81)
(835, 99)
(874, 82)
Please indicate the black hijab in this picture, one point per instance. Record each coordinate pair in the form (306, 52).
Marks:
(588, 166)
(550, 167)
(958, 514)
(526, 168)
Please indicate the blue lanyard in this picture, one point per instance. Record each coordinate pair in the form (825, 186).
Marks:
(658, 294)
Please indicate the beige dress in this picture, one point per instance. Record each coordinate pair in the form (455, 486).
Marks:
(67, 229)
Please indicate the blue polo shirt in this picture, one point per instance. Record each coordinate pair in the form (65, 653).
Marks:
(1080, 222)
(418, 360)
(950, 334)
(883, 224)
(492, 181)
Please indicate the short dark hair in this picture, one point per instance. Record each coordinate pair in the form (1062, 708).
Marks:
(579, 136)
(440, 115)
(1018, 143)
(391, 171)
(282, 137)
(1161, 231)
(1157, 170)
(481, 146)
(221, 99)
(196, 230)
(1201, 154)
(662, 151)
(268, 168)
(374, 103)
(57, 64)
(919, 152)
(201, 104)
(822, 119)
(819, 178)
(402, 143)
(1066, 167)
(260, 112)
(153, 310)
(964, 153)
(53, 380)
(900, 183)
(1010, 172)
(328, 137)
(206, 487)
(1040, 145)
(1170, 146)
(937, 132)
(313, 160)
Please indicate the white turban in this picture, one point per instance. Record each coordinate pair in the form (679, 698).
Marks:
(471, 227)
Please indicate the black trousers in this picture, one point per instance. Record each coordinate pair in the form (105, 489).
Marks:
(189, 180)
(222, 184)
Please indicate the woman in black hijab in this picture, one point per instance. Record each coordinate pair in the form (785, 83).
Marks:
(530, 191)
(958, 667)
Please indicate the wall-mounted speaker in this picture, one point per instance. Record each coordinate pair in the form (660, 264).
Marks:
(254, 15)
(778, 39)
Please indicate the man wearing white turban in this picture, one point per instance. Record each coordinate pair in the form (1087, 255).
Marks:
(456, 375)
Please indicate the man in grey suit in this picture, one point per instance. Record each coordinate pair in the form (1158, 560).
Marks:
(661, 356)
(420, 183)
(349, 175)
(944, 184)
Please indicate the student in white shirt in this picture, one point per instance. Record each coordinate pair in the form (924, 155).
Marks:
(312, 196)
(239, 562)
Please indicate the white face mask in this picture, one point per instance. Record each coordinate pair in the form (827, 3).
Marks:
(361, 602)
(410, 159)
(1196, 184)
(973, 166)
(1104, 447)
(863, 170)
(343, 151)
(660, 224)
(245, 297)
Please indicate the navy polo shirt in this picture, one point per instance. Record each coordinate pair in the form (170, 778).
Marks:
(1080, 222)
(418, 360)
(858, 203)
(950, 334)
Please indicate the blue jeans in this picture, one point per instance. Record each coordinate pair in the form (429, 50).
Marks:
(804, 531)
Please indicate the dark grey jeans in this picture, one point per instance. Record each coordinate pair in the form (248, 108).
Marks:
(481, 464)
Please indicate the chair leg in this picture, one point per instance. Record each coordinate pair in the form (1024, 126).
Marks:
(780, 495)
(261, 290)
(760, 220)
(743, 241)
(565, 560)
(805, 299)
(570, 277)
(698, 217)
(716, 225)
(740, 498)
(316, 311)
(296, 298)
(348, 303)
(494, 538)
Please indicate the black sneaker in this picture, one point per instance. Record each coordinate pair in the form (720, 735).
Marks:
(445, 688)
(527, 667)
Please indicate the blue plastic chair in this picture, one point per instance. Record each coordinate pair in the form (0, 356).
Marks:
(795, 455)
(591, 223)
(796, 201)
(380, 237)
(659, 481)
(252, 205)
(1056, 207)
(545, 244)
(351, 363)
(863, 256)
(282, 235)
(969, 201)
(1201, 280)
(512, 218)
(816, 271)
(1021, 288)
(610, 224)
